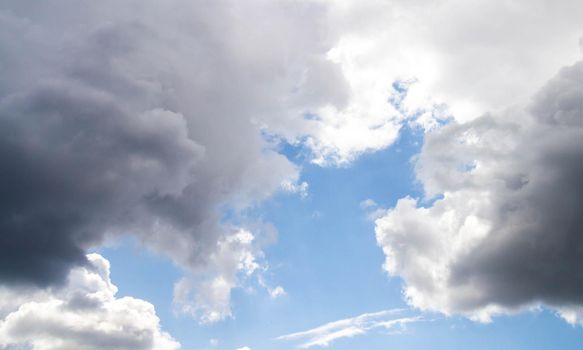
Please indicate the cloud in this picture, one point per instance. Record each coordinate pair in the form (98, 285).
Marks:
(438, 49)
(368, 204)
(82, 314)
(299, 188)
(324, 335)
(372, 209)
(503, 233)
(244, 348)
(207, 297)
(277, 292)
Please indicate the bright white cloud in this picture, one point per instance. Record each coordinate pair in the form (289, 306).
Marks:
(502, 50)
(506, 234)
(437, 50)
(326, 334)
(83, 314)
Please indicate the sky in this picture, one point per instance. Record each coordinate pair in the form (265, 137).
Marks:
(295, 174)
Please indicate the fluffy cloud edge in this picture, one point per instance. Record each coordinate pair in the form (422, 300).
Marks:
(82, 314)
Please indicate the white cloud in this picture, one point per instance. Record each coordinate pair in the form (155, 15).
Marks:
(274, 292)
(372, 209)
(506, 234)
(438, 49)
(450, 45)
(207, 295)
(324, 335)
(502, 51)
(83, 314)
(277, 292)
(368, 204)
(244, 348)
(294, 187)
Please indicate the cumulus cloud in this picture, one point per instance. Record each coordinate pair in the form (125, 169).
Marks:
(128, 125)
(82, 314)
(503, 232)
(347, 328)
(146, 119)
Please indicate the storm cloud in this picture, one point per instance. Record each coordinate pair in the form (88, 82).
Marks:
(114, 119)
(507, 233)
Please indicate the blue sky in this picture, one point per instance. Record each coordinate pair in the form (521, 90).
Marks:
(327, 259)
(327, 232)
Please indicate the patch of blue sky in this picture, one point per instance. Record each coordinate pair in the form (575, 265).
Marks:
(327, 260)
(467, 167)
(326, 255)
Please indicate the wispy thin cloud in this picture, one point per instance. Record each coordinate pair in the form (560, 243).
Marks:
(324, 335)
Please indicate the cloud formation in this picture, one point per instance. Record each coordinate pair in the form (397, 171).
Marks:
(130, 125)
(347, 328)
(82, 314)
(506, 233)
(208, 297)
(151, 118)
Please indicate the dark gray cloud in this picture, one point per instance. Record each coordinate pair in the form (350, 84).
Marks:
(508, 233)
(536, 247)
(74, 164)
(144, 119)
